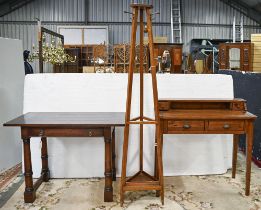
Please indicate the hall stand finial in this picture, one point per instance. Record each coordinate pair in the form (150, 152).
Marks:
(142, 180)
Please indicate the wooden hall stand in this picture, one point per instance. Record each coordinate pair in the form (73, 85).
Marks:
(210, 117)
(141, 180)
(67, 124)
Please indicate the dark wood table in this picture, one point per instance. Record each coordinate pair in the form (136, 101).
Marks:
(210, 117)
(67, 124)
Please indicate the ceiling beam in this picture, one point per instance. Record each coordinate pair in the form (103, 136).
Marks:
(9, 6)
(244, 8)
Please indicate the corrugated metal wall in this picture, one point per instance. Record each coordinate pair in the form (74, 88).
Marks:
(200, 18)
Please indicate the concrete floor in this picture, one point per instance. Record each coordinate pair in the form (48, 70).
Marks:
(219, 192)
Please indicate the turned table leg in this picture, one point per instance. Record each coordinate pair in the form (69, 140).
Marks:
(113, 156)
(29, 193)
(249, 145)
(108, 190)
(44, 155)
(234, 160)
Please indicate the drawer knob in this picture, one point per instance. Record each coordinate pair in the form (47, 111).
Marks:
(226, 126)
(186, 126)
(41, 133)
(90, 133)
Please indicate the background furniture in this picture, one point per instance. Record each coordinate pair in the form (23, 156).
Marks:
(107, 93)
(175, 51)
(85, 55)
(121, 58)
(247, 86)
(11, 99)
(210, 117)
(69, 124)
(245, 55)
(100, 57)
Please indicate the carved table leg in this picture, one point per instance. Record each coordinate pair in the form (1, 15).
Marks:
(113, 156)
(249, 145)
(29, 193)
(108, 190)
(234, 159)
(45, 170)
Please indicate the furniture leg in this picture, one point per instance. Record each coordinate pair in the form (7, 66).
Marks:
(234, 159)
(44, 155)
(124, 162)
(160, 162)
(108, 190)
(113, 156)
(128, 105)
(29, 193)
(156, 174)
(249, 144)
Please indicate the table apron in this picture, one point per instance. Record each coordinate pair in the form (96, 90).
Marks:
(62, 132)
(204, 132)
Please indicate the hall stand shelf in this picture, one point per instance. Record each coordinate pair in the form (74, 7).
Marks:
(142, 180)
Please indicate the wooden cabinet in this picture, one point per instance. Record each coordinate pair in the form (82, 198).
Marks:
(245, 55)
(85, 56)
(121, 58)
(175, 51)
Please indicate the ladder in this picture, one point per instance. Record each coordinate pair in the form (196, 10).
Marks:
(176, 36)
(238, 30)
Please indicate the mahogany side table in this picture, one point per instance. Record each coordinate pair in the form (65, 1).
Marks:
(67, 124)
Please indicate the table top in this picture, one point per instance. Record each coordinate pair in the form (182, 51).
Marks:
(202, 100)
(70, 119)
(206, 115)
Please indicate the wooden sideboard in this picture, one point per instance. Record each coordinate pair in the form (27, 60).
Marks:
(175, 51)
(245, 55)
(210, 117)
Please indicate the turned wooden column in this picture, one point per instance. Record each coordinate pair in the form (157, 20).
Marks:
(113, 155)
(108, 190)
(44, 155)
(29, 193)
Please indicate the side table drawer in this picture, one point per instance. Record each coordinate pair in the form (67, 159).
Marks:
(66, 132)
(226, 125)
(186, 125)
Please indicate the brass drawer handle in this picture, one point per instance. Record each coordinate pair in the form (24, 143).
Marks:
(226, 126)
(90, 133)
(186, 126)
(41, 133)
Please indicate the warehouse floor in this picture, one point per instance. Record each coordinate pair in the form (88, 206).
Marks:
(182, 192)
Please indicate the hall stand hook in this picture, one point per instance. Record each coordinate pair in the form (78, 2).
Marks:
(142, 180)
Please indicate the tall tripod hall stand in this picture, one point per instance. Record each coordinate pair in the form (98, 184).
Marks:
(142, 180)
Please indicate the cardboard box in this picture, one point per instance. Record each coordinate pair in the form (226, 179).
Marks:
(256, 65)
(157, 39)
(88, 69)
(255, 37)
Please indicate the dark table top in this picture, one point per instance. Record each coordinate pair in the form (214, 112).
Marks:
(70, 119)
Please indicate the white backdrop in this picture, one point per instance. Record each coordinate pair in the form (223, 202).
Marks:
(84, 157)
(11, 100)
